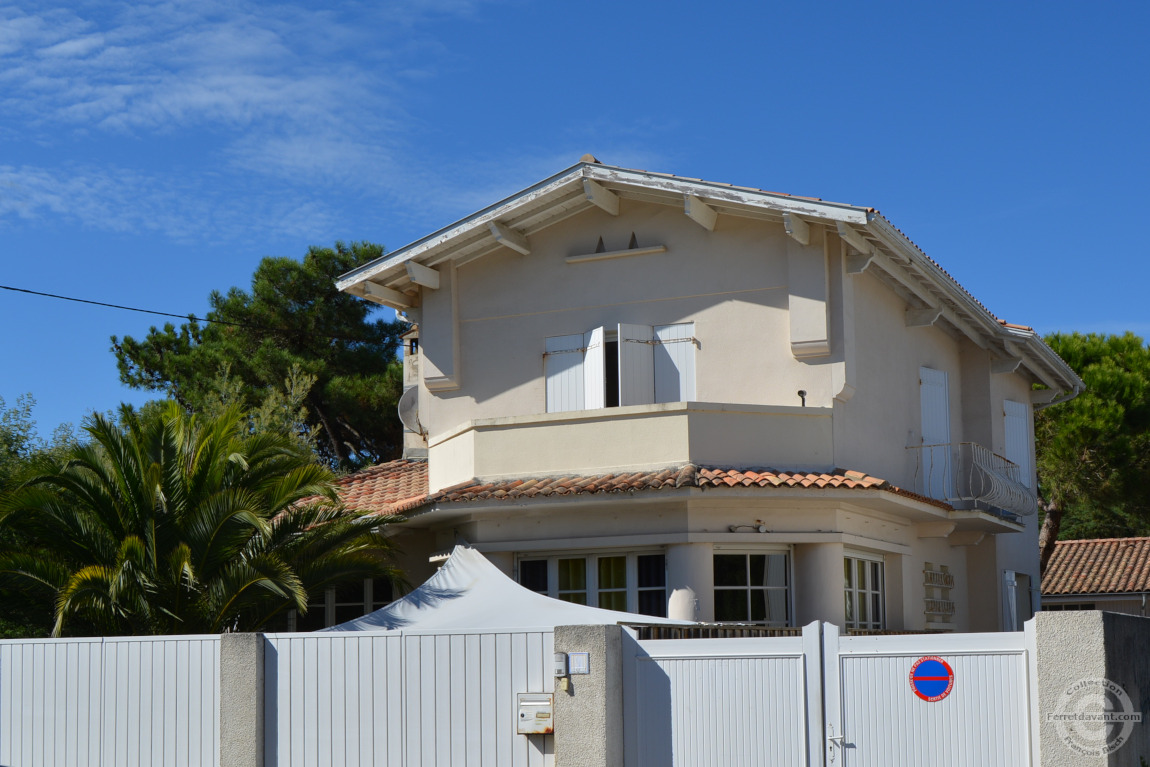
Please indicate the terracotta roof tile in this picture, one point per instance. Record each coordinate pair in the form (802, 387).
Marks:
(387, 488)
(1101, 566)
(687, 475)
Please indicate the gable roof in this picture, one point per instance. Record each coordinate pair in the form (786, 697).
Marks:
(1100, 566)
(883, 249)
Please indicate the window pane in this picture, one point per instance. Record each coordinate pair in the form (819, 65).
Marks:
(758, 569)
(613, 600)
(850, 608)
(346, 613)
(875, 575)
(777, 570)
(312, 621)
(847, 573)
(572, 574)
(652, 570)
(612, 572)
(731, 605)
(758, 605)
(382, 592)
(876, 607)
(653, 603)
(533, 575)
(861, 582)
(863, 612)
(351, 591)
(776, 606)
(578, 597)
(730, 570)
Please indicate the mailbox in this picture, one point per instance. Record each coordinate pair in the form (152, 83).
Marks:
(536, 713)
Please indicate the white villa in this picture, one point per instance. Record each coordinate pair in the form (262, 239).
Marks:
(688, 399)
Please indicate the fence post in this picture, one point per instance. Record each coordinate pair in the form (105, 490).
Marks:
(241, 700)
(589, 714)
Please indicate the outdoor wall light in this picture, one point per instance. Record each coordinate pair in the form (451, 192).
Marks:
(758, 528)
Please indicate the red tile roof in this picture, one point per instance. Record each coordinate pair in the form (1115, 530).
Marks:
(387, 488)
(688, 475)
(401, 486)
(1101, 566)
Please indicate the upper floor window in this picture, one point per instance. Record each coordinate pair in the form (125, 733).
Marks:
(624, 365)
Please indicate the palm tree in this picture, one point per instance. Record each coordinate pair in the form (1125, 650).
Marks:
(171, 524)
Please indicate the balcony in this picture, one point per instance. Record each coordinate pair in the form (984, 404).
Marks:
(634, 438)
(968, 476)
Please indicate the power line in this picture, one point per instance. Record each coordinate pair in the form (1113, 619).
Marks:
(191, 317)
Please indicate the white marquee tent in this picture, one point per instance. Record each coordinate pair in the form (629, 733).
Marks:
(469, 592)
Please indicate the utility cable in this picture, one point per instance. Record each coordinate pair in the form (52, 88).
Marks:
(190, 317)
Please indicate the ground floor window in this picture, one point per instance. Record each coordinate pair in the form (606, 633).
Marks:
(753, 588)
(863, 592)
(630, 582)
(1072, 606)
(339, 605)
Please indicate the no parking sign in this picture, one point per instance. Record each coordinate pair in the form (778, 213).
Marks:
(931, 678)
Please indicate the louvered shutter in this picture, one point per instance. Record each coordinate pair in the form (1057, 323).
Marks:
(935, 402)
(674, 354)
(1018, 443)
(594, 372)
(563, 369)
(636, 365)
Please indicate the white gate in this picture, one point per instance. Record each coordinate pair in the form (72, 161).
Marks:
(397, 698)
(873, 716)
(825, 700)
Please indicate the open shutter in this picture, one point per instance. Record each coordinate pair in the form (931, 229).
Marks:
(935, 403)
(563, 369)
(1018, 442)
(675, 362)
(594, 371)
(636, 365)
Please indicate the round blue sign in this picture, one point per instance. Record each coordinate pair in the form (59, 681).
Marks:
(931, 678)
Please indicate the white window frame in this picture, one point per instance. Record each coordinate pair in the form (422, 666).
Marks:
(853, 591)
(790, 588)
(592, 557)
(648, 358)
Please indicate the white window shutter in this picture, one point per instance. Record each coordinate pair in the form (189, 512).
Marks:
(594, 370)
(935, 402)
(563, 370)
(636, 365)
(1018, 442)
(675, 362)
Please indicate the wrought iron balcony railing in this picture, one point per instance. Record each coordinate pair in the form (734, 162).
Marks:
(967, 475)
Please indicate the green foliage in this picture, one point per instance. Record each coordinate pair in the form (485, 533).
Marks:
(293, 326)
(1094, 451)
(172, 523)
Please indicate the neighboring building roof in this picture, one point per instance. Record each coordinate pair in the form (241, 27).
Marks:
(1101, 566)
(386, 488)
(400, 486)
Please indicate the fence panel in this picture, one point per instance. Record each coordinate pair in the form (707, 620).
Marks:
(736, 702)
(133, 701)
(334, 699)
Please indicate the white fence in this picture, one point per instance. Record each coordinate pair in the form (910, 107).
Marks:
(826, 699)
(333, 699)
(124, 701)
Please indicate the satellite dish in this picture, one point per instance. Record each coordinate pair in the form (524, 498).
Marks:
(409, 410)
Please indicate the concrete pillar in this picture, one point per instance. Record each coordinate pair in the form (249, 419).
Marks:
(691, 582)
(589, 714)
(1093, 663)
(819, 583)
(241, 700)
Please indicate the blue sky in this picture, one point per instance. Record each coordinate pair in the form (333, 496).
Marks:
(153, 152)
